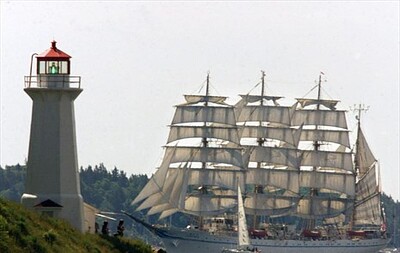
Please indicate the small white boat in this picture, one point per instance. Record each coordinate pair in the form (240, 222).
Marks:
(394, 250)
(244, 245)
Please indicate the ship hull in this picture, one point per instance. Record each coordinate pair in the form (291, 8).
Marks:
(186, 241)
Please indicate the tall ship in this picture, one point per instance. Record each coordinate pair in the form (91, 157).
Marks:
(305, 187)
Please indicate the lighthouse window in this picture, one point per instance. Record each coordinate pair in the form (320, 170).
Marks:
(63, 67)
(42, 67)
(53, 68)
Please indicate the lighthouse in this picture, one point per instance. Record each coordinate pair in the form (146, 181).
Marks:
(52, 182)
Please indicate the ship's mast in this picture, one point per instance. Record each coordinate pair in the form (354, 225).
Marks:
(207, 88)
(316, 144)
(262, 86)
(358, 109)
(260, 141)
(204, 141)
(395, 217)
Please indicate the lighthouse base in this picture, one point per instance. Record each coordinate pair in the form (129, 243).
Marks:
(68, 207)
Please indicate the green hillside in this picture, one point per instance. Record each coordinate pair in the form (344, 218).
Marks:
(25, 231)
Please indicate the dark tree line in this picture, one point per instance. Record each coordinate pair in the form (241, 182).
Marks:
(107, 190)
(110, 190)
(12, 182)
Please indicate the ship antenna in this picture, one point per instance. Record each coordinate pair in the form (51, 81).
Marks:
(359, 109)
(262, 86)
(319, 89)
(207, 87)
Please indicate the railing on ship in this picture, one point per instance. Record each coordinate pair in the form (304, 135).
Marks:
(53, 81)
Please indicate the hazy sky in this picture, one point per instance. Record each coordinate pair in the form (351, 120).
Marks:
(137, 59)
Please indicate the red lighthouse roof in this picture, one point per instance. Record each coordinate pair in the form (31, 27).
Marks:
(53, 53)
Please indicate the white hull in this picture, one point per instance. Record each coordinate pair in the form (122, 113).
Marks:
(236, 251)
(191, 241)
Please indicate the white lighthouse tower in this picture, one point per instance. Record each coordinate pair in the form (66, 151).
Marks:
(52, 182)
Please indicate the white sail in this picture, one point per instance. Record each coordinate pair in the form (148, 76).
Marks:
(201, 114)
(200, 205)
(367, 185)
(330, 104)
(326, 166)
(173, 195)
(273, 205)
(327, 159)
(173, 183)
(243, 234)
(222, 178)
(257, 98)
(208, 205)
(322, 207)
(295, 158)
(364, 157)
(151, 201)
(337, 220)
(207, 154)
(326, 135)
(156, 182)
(338, 182)
(262, 128)
(280, 178)
(273, 114)
(367, 209)
(275, 155)
(223, 133)
(246, 99)
(198, 174)
(194, 99)
(320, 118)
(368, 212)
(284, 134)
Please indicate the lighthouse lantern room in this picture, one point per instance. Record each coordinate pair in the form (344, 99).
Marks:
(53, 62)
(53, 68)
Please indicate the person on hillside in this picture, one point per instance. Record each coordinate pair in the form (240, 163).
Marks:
(96, 228)
(104, 228)
(120, 228)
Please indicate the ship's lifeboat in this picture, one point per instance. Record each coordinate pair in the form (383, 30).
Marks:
(311, 234)
(256, 233)
(356, 234)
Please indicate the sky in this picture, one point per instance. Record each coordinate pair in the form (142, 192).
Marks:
(137, 60)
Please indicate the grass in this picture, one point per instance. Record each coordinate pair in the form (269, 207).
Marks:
(25, 231)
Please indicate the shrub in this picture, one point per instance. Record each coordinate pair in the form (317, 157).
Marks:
(35, 245)
(50, 236)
